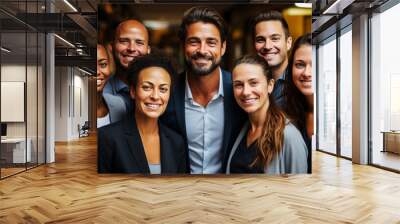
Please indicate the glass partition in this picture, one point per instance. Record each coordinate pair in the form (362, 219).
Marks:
(385, 89)
(14, 152)
(22, 89)
(346, 93)
(327, 96)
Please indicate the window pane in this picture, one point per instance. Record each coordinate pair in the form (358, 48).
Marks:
(385, 84)
(327, 97)
(345, 94)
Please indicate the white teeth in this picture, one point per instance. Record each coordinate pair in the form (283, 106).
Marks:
(98, 82)
(152, 106)
(129, 58)
(306, 83)
(249, 101)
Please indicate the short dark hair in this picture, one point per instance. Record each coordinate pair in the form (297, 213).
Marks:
(269, 16)
(206, 15)
(146, 61)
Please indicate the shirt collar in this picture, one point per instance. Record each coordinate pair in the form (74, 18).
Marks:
(120, 85)
(188, 92)
(283, 76)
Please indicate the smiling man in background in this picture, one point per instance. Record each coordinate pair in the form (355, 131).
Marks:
(272, 41)
(131, 41)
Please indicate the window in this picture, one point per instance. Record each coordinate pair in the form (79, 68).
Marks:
(346, 74)
(327, 96)
(385, 88)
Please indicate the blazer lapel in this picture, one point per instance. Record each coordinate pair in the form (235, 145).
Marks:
(179, 98)
(228, 99)
(168, 163)
(135, 144)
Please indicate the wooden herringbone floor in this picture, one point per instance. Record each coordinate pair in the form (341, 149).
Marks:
(70, 191)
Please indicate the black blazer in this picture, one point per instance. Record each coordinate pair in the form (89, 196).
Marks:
(120, 149)
(234, 116)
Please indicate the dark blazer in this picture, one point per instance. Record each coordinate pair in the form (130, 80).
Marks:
(120, 149)
(234, 116)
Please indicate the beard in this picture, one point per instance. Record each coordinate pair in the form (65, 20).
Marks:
(120, 68)
(201, 71)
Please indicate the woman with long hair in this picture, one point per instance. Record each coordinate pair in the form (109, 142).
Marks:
(299, 91)
(268, 142)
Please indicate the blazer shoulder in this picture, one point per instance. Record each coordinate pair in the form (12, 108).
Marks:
(226, 76)
(111, 129)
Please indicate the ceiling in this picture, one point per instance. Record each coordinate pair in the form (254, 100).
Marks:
(76, 24)
(80, 27)
(330, 16)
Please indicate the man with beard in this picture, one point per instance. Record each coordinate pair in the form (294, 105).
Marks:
(131, 41)
(202, 108)
(272, 41)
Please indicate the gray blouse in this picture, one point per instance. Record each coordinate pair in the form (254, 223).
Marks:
(155, 168)
(292, 159)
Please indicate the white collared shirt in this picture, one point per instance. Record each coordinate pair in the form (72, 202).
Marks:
(204, 131)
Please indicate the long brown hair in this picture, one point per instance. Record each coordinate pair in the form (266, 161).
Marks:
(270, 143)
(296, 104)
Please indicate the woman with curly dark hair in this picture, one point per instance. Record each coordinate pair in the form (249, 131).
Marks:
(139, 143)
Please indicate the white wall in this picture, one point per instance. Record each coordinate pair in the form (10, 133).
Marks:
(71, 94)
(33, 126)
(61, 103)
(12, 73)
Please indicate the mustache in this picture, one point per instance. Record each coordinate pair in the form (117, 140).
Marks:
(198, 55)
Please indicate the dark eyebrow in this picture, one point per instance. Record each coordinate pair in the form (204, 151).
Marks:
(192, 38)
(164, 84)
(276, 35)
(103, 60)
(148, 82)
(212, 38)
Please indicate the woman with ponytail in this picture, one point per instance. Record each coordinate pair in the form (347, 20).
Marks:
(268, 142)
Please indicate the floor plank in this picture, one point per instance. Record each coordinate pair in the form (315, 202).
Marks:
(71, 191)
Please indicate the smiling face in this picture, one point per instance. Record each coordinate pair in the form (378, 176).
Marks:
(203, 48)
(131, 41)
(152, 92)
(271, 42)
(251, 88)
(103, 68)
(301, 69)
